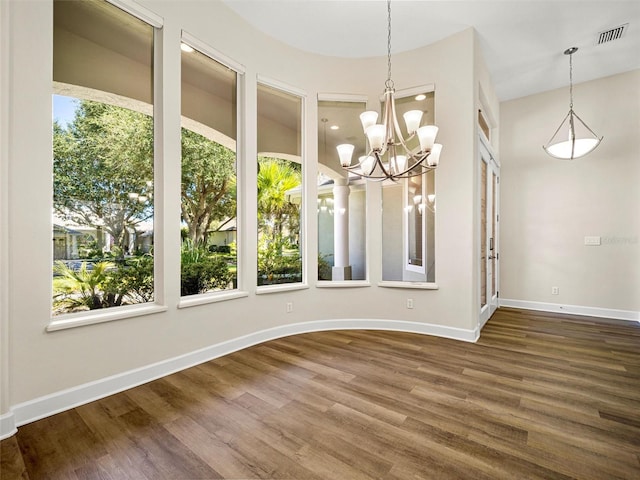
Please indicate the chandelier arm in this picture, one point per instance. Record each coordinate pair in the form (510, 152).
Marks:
(558, 129)
(586, 126)
(386, 119)
(378, 158)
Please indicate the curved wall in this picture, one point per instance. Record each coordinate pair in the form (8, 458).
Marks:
(44, 363)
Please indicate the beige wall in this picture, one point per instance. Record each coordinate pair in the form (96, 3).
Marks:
(549, 205)
(41, 363)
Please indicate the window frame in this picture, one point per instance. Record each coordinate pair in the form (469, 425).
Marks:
(423, 285)
(79, 319)
(304, 241)
(239, 69)
(363, 99)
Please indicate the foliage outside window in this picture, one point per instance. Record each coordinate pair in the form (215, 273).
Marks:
(279, 187)
(208, 205)
(279, 259)
(102, 158)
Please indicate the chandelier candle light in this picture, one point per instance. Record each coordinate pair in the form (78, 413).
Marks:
(573, 139)
(389, 157)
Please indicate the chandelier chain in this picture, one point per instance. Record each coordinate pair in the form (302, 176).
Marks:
(389, 82)
(571, 81)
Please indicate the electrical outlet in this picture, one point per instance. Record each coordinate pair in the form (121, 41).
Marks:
(409, 303)
(555, 291)
(289, 307)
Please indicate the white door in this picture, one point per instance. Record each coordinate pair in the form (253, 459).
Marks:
(489, 237)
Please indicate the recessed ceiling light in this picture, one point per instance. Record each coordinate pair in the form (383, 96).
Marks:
(334, 127)
(422, 96)
(186, 48)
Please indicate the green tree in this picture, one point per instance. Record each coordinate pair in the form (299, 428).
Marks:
(103, 168)
(208, 185)
(278, 217)
(275, 212)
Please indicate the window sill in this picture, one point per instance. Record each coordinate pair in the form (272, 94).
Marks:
(206, 298)
(283, 287)
(416, 285)
(342, 284)
(74, 320)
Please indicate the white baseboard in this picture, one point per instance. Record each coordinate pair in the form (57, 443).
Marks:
(7, 425)
(48, 405)
(629, 315)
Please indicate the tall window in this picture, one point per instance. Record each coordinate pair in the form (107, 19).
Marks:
(102, 157)
(279, 186)
(208, 207)
(408, 213)
(341, 198)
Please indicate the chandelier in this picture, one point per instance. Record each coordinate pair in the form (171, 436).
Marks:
(572, 139)
(389, 157)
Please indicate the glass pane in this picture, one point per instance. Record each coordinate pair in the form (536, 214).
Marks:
(415, 207)
(494, 188)
(279, 186)
(408, 212)
(208, 204)
(341, 200)
(102, 158)
(483, 235)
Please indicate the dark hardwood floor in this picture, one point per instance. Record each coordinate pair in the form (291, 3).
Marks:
(540, 396)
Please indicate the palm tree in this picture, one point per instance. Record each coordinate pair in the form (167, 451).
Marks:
(276, 215)
(275, 178)
(82, 288)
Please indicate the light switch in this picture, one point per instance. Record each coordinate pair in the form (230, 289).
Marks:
(592, 241)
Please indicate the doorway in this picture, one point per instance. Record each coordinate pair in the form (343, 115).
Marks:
(489, 232)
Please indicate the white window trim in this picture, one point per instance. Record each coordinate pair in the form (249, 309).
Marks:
(212, 53)
(408, 284)
(213, 297)
(282, 287)
(342, 283)
(139, 12)
(92, 317)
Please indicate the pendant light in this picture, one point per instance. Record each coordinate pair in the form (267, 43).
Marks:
(573, 138)
(389, 157)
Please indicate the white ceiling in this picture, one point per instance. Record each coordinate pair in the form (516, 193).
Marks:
(522, 40)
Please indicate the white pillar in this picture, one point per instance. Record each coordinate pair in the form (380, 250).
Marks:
(341, 268)
(74, 246)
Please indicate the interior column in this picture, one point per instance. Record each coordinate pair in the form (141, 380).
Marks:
(341, 269)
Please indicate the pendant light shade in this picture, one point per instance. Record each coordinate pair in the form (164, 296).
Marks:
(573, 138)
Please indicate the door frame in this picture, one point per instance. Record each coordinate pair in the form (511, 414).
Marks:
(485, 155)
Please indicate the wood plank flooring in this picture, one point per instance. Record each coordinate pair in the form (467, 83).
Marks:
(540, 396)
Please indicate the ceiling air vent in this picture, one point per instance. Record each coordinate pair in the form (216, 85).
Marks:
(612, 34)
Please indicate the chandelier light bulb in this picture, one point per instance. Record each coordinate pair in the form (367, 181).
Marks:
(376, 135)
(367, 119)
(426, 136)
(367, 164)
(434, 157)
(345, 152)
(399, 163)
(412, 119)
